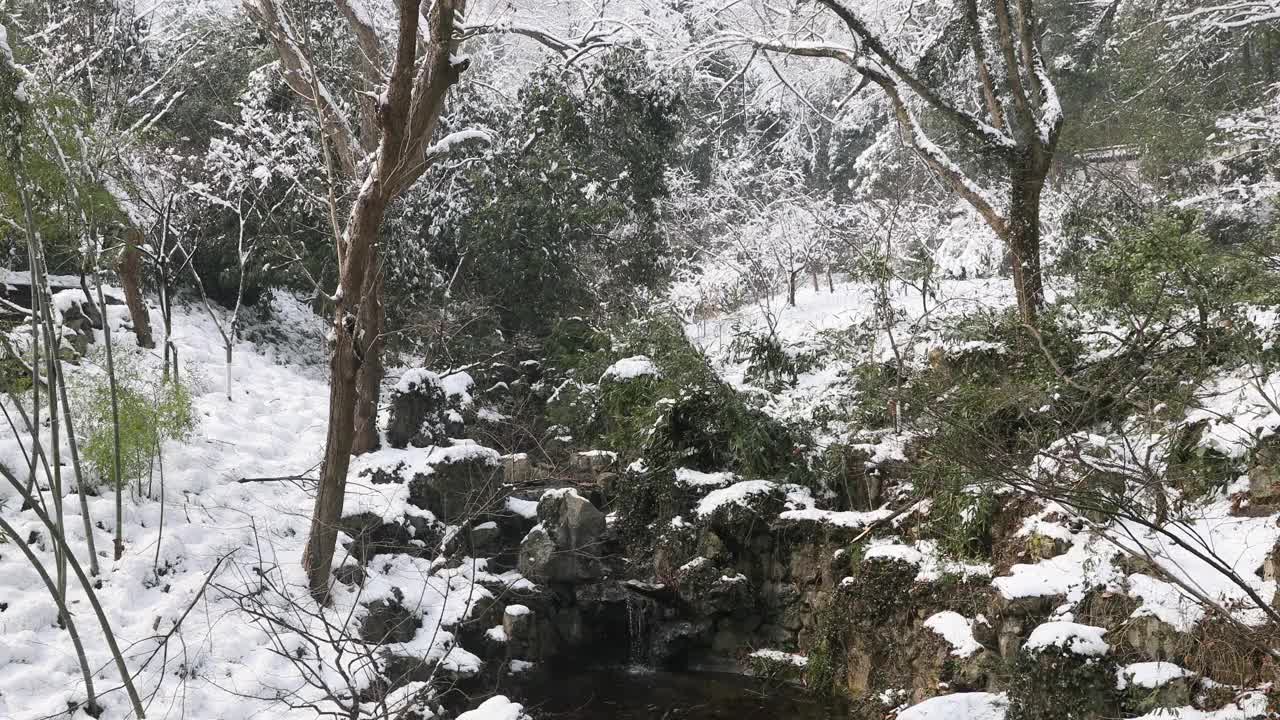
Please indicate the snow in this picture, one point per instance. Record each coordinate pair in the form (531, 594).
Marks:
(630, 368)
(497, 633)
(6, 52)
(456, 386)
(249, 531)
(1249, 706)
(1073, 637)
(739, 494)
(497, 707)
(926, 556)
(447, 143)
(780, 657)
(848, 518)
(957, 630)
(959, 706)
(517, 610)
(1149, 675)
(694, 478)
(527, 509)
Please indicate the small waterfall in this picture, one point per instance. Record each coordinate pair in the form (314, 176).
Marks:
(638, 650)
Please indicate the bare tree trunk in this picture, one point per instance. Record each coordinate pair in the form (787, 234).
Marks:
(131, 279)
(369, 380)
(1024, 238)
(344, 368)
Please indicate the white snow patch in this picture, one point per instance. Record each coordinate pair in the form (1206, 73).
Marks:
(497, 707)
(957, 630)
(1073, 637)
(1150, 675)
(959, 706)
(780, 657)
(631, 368)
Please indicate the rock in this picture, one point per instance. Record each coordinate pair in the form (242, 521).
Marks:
(1264, 474)
(521, 630)
(1154, 638)
(389, 621)
(371, 535)
(486, 539)
(671, 643)
(591, 463)
(418, 411)
(565, 545)
(464, 482)
(1148, 685)
(350, 574)
(517, 469)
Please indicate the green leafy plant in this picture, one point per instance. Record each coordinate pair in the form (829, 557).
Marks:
(151, 411)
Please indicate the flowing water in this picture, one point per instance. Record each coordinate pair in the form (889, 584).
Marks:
(648, 695)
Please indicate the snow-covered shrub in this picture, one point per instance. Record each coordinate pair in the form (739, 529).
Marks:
(1063, 672)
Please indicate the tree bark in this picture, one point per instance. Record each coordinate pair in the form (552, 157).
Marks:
(344, 369)
(131, 279)
(1023, 241)
(369, 377)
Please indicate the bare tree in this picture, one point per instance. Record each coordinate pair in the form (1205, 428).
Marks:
(403, 119)
(1018, 123)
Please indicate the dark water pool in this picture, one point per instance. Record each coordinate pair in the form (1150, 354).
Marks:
(648, 695)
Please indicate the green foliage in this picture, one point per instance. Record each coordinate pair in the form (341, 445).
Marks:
(52, 192)
(569, 222)
(769, 364)
(150, 411)
(880, 589)
(1167, 269)
(1056, 684)
(962, 511)
(684, 417)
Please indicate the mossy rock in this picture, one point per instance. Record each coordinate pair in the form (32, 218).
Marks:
(1054, 683)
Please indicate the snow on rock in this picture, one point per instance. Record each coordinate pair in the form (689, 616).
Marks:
(742, 493)
(739, 493)
(849, 519)
(630, 368)
(959, 706)
(497, 707)
(957, 630)
(1150, 675)
(926, 556)
(696, 479)
(527, 509)
(1250, 706)
(497, 633)
(894, 551)
(781, 658)
(1073, 637)
(455, 386)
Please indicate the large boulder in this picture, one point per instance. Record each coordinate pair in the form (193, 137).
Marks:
(464, 483)
(565, 545)
(426, 408)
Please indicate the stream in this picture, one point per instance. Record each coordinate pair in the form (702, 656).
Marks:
(652, 695)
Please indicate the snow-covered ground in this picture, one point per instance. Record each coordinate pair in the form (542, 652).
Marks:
(217, 663)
